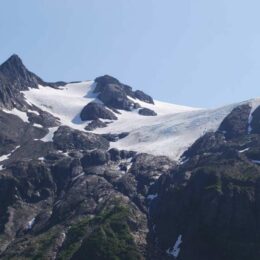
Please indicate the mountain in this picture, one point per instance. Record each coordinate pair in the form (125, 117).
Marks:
(98, 170)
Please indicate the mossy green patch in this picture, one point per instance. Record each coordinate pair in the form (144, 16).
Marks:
(107, 236)
(73, 238)
(111, 240)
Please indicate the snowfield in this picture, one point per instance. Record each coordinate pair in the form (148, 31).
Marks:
(65, 102)
(169, 133)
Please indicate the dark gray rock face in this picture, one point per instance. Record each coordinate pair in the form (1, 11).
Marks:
(209, 143)
(14, 77)
(43, 118)
(255, 122)
(114, 94)
(94, 111)
(105, 80)
(114, 154)
(66, 138)
(211, 199)
(14, 132)
(97, 157)
(117, 155)
(16, 73)
(146, 112)
(144, 97)
(115, 137)
(74, 194)
(94, 124)
(236, 123)
(30, 150)
(148, 168)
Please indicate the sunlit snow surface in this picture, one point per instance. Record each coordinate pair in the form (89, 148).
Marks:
(64, 102)
(18, 113)
(169, 133)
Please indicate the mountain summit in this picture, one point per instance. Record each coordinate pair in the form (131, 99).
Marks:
(12, 64)
(15, 77)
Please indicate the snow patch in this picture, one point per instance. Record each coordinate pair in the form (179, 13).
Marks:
(65, 102)
(183, 160)
(128, 167)
(30, 224)
(78, 176)
(176, 248)
(244, 150)
(49, 136)
(256, 161)
(152, 196)
(37, 125)
(20, 114)
(7, 156)
(34, 112)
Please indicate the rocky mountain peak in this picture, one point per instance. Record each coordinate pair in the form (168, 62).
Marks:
(15, 77)
(15, 72)
(14, 61)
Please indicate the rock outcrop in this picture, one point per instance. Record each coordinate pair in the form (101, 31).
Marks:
(116, 95)
(66, 138)
(94, 111)
(146, 112)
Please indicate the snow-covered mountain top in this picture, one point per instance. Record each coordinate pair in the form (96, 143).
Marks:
(169, 133)
(66, 103)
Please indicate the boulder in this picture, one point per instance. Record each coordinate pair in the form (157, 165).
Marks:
(97, 157)
(143, 97)
(114, 154)
(116, 95)
(146, 112)
(94, 111)
(95, 124)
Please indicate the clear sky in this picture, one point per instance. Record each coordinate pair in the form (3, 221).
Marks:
(191, 52)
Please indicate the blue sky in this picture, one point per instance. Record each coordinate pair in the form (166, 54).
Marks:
(192, 52)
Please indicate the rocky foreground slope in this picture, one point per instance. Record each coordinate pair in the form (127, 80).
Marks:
(76, 181)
